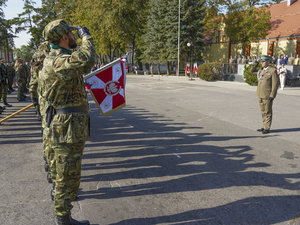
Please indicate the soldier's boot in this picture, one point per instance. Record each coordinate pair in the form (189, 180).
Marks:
(52, 193)
(6, 104)
(49, 178)
(47, 168)
(68, 220)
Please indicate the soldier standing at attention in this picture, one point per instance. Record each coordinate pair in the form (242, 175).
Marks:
(20, 79)
(67, 114)
(4, 84)
(268, 83)
(11, 75)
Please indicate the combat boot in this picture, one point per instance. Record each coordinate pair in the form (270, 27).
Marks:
(68, 220)
(52, 193)
(6, 104)
(49, 178)
(22, 100)
(47, 168)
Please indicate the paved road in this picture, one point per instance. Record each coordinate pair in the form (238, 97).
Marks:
(181, 152)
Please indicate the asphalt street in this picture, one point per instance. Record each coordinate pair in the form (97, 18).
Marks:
(181, 152)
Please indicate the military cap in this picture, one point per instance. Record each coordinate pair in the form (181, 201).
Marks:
(265, 57)
(56, 29)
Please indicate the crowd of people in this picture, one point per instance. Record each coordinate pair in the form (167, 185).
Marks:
(13, 75)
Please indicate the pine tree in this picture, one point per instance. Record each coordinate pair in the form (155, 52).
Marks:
(6, 32)
(192, 28)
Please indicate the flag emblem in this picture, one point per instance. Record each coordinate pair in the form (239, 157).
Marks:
(107, 87)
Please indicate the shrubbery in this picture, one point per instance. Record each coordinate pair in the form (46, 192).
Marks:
(210, 71)
(251, 78)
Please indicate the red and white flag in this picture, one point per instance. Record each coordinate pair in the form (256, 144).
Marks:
(107, 87)
(188, 69)
(195, 69)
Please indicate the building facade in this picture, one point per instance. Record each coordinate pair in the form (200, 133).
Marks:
(282, 39)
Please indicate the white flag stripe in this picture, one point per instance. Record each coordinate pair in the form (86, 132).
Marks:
(106, 105)
(122, 92)
(117, 72)
(96, 83)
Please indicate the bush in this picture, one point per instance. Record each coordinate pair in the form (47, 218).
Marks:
(251, 78)
(210, 71)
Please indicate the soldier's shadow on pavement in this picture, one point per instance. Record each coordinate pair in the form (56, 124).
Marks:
(254, 210)
(20, 129)
(137, 153)
(296, 129)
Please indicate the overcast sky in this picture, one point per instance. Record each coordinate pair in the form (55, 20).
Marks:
(15, 7)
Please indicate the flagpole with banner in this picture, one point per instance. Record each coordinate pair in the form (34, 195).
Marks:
(107, 86)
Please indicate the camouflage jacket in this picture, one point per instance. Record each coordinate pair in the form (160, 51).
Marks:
(3, 72)
(61, 85)
(34, 72)
(11, 71)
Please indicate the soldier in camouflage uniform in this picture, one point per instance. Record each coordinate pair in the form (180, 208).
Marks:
(21, 79)
(35, 94)
(26, 70)
(11, 75)
(67, 114)
(34, 71)
(4, 83)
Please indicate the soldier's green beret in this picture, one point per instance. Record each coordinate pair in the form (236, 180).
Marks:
(56, 29)
(265, 57)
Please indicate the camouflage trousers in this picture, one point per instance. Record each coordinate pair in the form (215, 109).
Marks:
(3, 92)
(21, 88)
(10, 81)
(49, 154)
(67, 158)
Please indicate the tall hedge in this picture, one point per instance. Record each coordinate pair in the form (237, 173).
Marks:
(210, 71)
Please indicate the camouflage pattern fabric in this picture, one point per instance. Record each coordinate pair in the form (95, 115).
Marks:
(56, 29)
(21, 80)
(4, 83)
(11, 75)
(68, 167)
(61, 85)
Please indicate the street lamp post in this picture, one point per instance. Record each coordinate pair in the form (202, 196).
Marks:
(191, 66)
(178, 40)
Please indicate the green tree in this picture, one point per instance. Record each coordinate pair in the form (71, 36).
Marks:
(192, 28)
(25, 52)
(42, 17)
(24, 20)
(6, 32)
(248, 25)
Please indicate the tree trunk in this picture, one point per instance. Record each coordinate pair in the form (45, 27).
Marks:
(168, 68)
(158, 68)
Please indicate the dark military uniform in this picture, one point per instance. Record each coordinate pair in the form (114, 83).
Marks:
(4, 84)
(11, 75)
(67, 113)
(21, 80)
(268, 83)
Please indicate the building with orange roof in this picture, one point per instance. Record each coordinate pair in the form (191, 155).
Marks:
(283, 38)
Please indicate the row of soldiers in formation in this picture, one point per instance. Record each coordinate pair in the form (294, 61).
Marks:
(8, 72)
(283, 59)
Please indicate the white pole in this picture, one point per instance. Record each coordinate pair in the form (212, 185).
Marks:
(178, 39)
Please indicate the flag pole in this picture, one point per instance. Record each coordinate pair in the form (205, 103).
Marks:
(87, 76)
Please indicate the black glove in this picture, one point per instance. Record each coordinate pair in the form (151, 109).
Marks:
(256, 64)
(271, 99)
(83, 31)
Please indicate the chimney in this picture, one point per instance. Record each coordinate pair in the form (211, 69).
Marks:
(290, 2)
